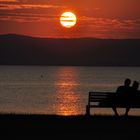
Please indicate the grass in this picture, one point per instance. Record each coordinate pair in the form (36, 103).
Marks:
(83, 127)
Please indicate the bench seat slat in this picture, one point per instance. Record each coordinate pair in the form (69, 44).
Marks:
(97, 97)
(95, 100)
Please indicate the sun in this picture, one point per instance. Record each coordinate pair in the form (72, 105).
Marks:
(68, 19)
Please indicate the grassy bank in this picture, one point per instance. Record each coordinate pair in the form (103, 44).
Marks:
(52, 126)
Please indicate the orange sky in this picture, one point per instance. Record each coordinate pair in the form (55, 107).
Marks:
(96, 18)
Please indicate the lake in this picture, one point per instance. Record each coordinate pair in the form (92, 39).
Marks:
(60, 90)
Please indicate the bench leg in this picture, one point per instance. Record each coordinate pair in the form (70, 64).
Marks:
(87, 110)
(115, 111)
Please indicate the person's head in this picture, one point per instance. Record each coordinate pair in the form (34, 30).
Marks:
(135, 85)
(127, 82)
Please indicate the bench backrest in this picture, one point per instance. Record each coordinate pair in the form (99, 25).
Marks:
(99, 96)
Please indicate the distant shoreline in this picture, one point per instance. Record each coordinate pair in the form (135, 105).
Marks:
(25, 50)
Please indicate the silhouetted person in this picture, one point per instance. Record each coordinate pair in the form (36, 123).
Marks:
(122, 95)
(135, 87)
(136, 92)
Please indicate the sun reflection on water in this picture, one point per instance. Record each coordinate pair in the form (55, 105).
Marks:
(67, 97)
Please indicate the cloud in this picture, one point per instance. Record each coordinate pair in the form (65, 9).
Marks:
(8, 0)
(25, 12)
(20, 19)
(110, 28)
(20, 12)
(107, 22)
(28, 17)
(26, 6)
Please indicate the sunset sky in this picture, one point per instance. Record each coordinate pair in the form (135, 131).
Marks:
(95, 18)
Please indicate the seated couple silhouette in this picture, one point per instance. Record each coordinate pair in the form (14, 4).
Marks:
(126, 95)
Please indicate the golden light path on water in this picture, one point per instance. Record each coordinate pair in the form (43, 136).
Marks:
(67, 98)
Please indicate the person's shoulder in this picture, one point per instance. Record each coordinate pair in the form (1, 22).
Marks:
(120, 87)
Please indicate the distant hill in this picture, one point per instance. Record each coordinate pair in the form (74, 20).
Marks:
(24, 50)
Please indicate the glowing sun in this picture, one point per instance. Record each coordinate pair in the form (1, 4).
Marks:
(68, 19)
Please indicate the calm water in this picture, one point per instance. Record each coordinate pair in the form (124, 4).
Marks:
(58, 90)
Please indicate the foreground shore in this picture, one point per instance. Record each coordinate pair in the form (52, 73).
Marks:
(65, 127)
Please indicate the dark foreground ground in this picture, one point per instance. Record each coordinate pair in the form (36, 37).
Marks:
(70, 127)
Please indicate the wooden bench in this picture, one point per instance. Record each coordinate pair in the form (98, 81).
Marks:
(105, 100)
